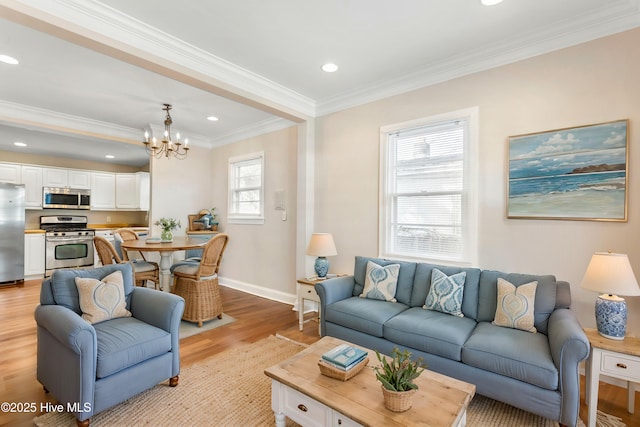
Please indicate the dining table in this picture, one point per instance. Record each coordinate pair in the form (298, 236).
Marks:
(166, 250)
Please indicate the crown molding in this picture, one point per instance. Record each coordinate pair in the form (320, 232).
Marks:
(28, 117)
(613, 18)
(110, 26)
(256, 129)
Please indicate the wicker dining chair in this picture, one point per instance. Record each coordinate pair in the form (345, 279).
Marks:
(198, 283)
(143, 270)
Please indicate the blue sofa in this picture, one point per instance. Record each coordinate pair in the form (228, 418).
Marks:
(92, 367)
(537, 372)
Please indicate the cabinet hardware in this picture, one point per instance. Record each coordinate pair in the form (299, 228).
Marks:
(621, 365)
(302, 408)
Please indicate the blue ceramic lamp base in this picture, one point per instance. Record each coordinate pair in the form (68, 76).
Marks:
(611, 316)
(321, 266)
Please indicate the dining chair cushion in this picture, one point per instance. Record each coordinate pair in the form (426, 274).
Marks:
(141, 266)
(188, 261)
(192, 270)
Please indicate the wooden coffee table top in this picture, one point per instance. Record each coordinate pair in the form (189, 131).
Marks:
(439, 401)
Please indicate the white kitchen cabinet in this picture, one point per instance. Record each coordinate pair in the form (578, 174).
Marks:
(10, 172)
(31, 177)
(103, 191)
(132, 191)
(55, 177)
(34, 255)
(79, 179)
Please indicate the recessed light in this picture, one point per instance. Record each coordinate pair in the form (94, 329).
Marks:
(19, 144)
(9, 60)
(110, 156)
(330, 68)
(213, 118)
(490, 2)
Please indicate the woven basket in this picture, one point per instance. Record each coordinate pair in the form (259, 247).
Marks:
(333, 372)
(397, 401)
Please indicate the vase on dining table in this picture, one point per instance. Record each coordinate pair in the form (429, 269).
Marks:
(166, 235)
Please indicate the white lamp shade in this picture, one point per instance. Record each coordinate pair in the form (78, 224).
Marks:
(321, 244)
(610, 273)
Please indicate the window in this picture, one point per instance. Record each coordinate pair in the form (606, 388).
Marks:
(428, 204)
(246, 189)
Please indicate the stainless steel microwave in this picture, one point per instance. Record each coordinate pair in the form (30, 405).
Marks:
(65, 198)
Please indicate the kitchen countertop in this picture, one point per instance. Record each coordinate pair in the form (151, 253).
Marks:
(34, 231)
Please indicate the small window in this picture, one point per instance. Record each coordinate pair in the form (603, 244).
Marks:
(246, 189)
(428, 208)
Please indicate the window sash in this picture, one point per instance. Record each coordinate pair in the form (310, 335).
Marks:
(246, 189)
(425, 203)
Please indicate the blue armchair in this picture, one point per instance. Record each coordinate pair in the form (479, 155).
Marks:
(92, 367)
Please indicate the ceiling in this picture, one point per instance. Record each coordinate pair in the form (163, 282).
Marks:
(93, 75)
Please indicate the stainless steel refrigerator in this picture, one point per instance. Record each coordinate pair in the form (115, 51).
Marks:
(11, 233)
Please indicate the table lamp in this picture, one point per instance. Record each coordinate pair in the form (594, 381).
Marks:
(322, 246)
(611, 274)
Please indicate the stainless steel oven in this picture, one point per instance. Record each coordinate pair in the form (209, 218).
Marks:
(68, 243)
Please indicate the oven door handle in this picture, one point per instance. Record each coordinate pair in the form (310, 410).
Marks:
(70, 240)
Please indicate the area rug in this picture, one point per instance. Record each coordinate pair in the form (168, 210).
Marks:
(188, 329)
(230, 389)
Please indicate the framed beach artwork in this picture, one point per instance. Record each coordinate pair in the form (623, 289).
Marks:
(576, 173)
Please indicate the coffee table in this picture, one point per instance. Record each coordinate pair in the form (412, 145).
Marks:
(299, 391)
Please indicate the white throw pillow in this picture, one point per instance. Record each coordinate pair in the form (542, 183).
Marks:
(515, 307)
(102, 300)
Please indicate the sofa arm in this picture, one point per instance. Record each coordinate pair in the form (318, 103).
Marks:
(336, 289)
(569, 345)
(67, 355)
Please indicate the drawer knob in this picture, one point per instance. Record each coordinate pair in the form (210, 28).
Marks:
(308, 292)
(339, 422)
(621, 365)
(302, 408)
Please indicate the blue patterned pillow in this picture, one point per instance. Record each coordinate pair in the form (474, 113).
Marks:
(445, 294)
(381, 282)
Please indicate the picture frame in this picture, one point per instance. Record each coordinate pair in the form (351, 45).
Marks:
(577, 173)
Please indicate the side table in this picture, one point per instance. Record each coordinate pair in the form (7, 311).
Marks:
(306, 290)
(613, 358)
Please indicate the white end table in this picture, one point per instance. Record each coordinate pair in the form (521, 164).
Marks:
(613, 358)
(306, 290)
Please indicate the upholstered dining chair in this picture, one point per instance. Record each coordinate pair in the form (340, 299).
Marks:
(198, 283)
(144, 270)
(102, 340)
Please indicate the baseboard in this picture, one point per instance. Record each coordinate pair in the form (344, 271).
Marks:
(260, 291)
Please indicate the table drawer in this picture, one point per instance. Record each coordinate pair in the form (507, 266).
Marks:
(304, 410)
(308, 292)
(621, 365)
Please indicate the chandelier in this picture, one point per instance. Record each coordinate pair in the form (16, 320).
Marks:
(167, 146)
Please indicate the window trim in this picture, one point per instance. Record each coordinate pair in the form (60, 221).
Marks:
(237, 218)
(469, 256)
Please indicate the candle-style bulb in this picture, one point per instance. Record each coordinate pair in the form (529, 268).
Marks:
(186, 141)
(146, 136)
(153, 144)
(178, 136)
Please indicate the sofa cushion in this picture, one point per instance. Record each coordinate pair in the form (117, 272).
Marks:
(515, 305)
(127, 341)
(405, 277)
(65, 292)
(445, 293)
(430, 331)
(363, 315)
(102, 299)
(380, 282)
(422, 284)
(512, 353)
(545, 295)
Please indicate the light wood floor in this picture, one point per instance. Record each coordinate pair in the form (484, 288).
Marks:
(256, 318)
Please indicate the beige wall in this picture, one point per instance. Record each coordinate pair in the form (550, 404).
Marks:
(261, 258)
(590, 83)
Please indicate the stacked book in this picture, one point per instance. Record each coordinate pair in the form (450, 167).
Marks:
(344, 357)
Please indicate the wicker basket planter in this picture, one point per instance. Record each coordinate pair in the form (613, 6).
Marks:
(397, 401)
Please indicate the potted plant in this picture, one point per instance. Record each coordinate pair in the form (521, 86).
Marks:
(214, 221)
(397, 375)
(168, 225)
